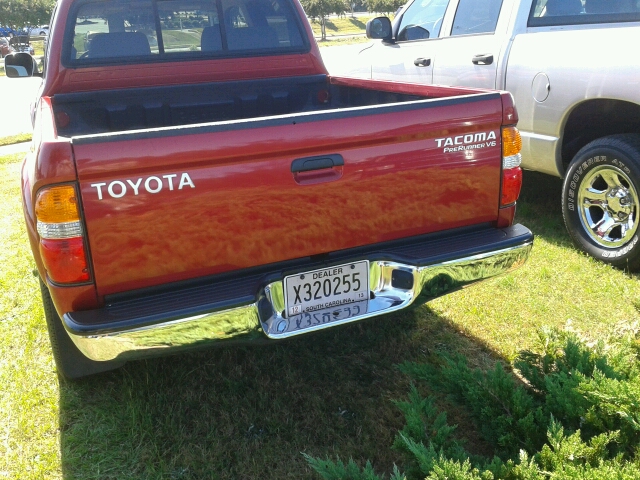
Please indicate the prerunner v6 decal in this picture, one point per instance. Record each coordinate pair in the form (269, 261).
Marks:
(470, 141)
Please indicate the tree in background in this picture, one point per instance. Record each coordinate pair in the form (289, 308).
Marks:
(357, 5)
(320, 9)
(19, 13)
(384, 6)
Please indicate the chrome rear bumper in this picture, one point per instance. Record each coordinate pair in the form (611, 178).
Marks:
(394, 286)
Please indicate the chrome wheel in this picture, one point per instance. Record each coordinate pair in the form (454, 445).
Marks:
(608, 204)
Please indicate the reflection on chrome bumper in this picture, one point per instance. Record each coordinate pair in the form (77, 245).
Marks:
(394, 286)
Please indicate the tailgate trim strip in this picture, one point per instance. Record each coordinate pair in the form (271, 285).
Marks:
(281, 120)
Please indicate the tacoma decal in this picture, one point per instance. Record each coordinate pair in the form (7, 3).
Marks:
(152, 184)
(470, 141)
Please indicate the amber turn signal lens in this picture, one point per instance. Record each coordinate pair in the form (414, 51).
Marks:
(57, 205)
(511, 141)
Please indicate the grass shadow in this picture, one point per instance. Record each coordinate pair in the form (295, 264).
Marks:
(329, 25)
(540, 208)
(358, 23)
(249, 412)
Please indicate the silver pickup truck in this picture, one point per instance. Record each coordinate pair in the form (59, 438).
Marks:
(574, 71)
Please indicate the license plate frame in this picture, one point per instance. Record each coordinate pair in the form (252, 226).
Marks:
(316, 283)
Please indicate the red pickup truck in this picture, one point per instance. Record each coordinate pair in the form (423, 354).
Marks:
(196, 177)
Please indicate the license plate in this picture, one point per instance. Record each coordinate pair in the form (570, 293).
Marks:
(320, 318)
(326, 288)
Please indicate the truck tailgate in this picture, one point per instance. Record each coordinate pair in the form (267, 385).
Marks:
(177, 203)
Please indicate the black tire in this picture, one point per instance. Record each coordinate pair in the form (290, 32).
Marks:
(70, 362)
(601, 200)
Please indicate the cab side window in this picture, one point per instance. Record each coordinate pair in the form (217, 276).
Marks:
(577, 12)
(476, 16)
(422, 20)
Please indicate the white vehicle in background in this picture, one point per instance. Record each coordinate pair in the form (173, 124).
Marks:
(574, 72)
(41, 30)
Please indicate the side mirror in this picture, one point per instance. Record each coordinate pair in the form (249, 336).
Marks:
(379, 28)
(20, 65)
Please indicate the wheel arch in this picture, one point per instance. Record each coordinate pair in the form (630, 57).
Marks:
(596, 118)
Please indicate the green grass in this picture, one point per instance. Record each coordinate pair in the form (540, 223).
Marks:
(559, 286)
(13, 139)
(29, 389)
(334, 41)
(38, 47)
(342, 26)
(178, 37)
(248, 412)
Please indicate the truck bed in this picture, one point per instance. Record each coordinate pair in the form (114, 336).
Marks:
(124, 110)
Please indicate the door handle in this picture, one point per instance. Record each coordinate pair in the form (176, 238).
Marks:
(422, 62)
(482, 59)
(320, 169)
(321, 162)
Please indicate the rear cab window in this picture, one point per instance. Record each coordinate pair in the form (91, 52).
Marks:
(165, 30)
(577, 12)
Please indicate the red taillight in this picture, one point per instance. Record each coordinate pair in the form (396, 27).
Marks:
(511, 171)
(323, 96)
(511, 185)
(65, 260)
(62, 119)
(62, 246)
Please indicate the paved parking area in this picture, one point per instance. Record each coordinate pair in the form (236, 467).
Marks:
(15, 148)
(343, 58)
(16, 96)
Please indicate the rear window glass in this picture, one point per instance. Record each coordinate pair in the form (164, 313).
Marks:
(576, 12)
(142, 30)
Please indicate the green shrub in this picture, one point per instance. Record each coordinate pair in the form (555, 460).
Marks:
(574, 413)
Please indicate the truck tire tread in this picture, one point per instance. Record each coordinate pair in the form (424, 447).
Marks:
(619, 153)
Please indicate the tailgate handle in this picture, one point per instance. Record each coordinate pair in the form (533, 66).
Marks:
(422, 62)
(482, 59)
(316, 163)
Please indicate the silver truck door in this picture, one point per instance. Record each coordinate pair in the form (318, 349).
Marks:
(470, 54)
(412, 56)
(570, 54)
